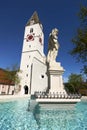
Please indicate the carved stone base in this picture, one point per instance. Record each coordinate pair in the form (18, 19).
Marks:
(55, 78)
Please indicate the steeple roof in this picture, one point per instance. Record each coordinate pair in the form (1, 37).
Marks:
(33, 20)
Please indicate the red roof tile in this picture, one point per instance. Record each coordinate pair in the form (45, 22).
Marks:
(4, 79)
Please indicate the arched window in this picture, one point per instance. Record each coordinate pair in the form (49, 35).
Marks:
(31, 30)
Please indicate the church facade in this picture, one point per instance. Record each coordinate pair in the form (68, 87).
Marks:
(33, 61)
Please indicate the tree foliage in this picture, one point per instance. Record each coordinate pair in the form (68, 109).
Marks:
(69, 88)
(84, 71)
(80, 40)
(76, 81)
(12, 74)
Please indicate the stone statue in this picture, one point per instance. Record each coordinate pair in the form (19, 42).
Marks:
(53, 46)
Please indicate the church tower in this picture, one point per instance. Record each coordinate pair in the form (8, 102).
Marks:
(33, 47)
(33, 37)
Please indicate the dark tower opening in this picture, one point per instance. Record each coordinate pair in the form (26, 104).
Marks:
(26, 89)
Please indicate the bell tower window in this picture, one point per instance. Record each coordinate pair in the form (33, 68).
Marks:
(29, 46)
(31, 30)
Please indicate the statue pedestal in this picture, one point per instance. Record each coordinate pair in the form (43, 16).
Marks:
(55, 78)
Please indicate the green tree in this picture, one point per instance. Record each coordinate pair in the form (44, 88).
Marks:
(76, 81)
(12, 75)
(80, 40)
(84, 71)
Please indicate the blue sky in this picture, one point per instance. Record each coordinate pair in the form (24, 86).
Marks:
(61, 14)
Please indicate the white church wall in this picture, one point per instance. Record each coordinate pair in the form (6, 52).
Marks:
(26, 62)
(26, 59)
(39, 77)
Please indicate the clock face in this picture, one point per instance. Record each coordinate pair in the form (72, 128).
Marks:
(29, 37)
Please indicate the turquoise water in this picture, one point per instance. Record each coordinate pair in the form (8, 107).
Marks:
(15, 116)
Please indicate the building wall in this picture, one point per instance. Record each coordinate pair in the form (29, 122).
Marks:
(39, 76)
(31, 48)
(6, 89)
(26, 63)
